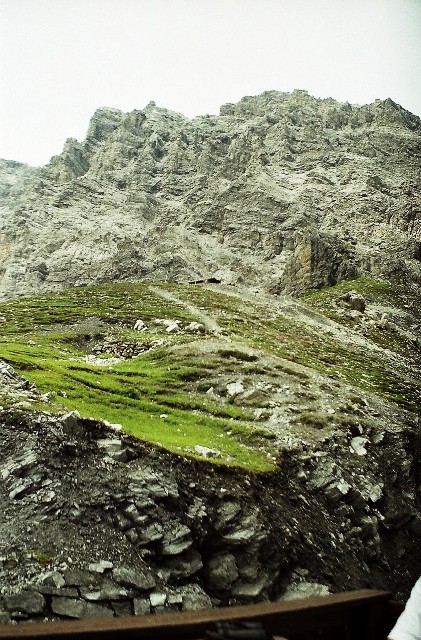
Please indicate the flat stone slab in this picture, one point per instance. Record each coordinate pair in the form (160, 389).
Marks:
(29, 602)
(134, 579)
(72, 608)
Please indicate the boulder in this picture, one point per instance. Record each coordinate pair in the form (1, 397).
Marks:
(72, 608)
(196, 599)
(68, 607)
(354, 301)
(134, 578)
(141, 607)
(221, 572)
(28, 602)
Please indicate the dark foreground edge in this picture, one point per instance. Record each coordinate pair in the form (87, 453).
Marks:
(355, 615)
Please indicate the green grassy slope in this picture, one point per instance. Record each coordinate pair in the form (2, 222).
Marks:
(299, 342)
(65, 344)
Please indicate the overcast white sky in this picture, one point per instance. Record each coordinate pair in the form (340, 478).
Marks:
(61, 59)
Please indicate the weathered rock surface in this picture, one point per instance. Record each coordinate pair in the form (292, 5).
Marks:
(283, 191)
(95, 536)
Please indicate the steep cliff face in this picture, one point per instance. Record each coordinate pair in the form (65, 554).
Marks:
(281, 190)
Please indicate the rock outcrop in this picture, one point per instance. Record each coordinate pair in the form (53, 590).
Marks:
(96, 523)
(282, 190)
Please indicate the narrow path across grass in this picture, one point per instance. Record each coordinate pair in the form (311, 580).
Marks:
(209, 322)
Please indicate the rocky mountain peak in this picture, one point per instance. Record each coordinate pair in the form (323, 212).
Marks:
(391, 112)
(281, 190)
(102, 123)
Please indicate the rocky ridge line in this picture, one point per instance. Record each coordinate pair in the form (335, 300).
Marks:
(284, 191)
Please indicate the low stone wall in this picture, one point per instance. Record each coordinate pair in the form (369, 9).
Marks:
(97, 593)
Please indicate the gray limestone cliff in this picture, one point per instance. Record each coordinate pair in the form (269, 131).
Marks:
(282, 190)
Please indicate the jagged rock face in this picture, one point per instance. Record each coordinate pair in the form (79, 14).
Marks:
(283, 190)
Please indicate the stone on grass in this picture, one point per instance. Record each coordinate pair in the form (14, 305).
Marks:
(195, 327)
(139, 325)
(206, 452)
(234, 388)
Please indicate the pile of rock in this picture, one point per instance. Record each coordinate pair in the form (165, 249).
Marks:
(123, 348)
(14, 386)
(99, 591)
(131, 534)
(353, 301)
